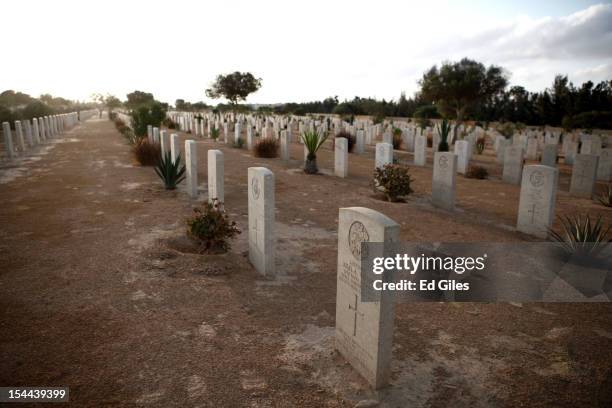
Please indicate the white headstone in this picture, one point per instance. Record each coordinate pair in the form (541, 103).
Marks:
(513, 165)
(384, 154)
(537, 200)
(164, 142)
(364, 330)
(191, 168)
(20, 139)
(175, 148)
(262, 241)
(360, 142)
(584, 173)
(8, 140)
(420, 146)
(284, 145)
(463, 160)
(604, 169)
(215, 176)
(341, 157)
(35, 131)
(443, 182)
(571, 150)
(549, 155)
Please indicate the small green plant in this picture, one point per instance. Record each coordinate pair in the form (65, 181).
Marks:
(477, 172)
(313, 141)
(582, 237)
(266, 147)
(214, 133)
(171, 172)
(397, 131)
(606, 196)
(394, 180)
(480, 145)
(351, 139)
(444, 129)
(146, 153)
(211, 227)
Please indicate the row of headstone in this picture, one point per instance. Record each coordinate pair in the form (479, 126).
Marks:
(29, 134)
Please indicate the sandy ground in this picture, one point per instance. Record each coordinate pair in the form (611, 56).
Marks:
(101, 291)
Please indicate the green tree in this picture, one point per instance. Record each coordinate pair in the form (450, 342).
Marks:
(152, 113)
(456, 87)
(111, 102)
(234, 87)
(138, 98)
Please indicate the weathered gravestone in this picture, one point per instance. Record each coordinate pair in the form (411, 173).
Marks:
(191, 166)
(150, 133)
(384, 154)
(604, 169)
(341, 157)
(364, 330)
(8, 140)
(537, 200)
(584, 173)
(443, 182)
(28, 131)
(262, 241)
(420, 144)
(215, 176)
(549, 155)
(513, 165)
(463, 160)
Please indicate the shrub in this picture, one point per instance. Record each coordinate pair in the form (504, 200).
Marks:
(211, 227)
(170, 124)
(480, 145)
(606, 196)
(351, 139)
(152, 113)
(146, 153)
(266, 147)
(171, 172)
(393, 180)
(477, 172)
(214, 133)
(582, 237)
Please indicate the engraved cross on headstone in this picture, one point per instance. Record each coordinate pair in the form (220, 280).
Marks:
(533, 212)
(357, 312)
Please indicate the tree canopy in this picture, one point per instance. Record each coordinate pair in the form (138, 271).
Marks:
(234, 87)
(456, 87)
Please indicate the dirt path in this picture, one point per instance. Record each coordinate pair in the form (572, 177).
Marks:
(100, 291)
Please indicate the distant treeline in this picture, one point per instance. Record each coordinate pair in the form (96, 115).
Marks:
(20, 106)
(587, 106)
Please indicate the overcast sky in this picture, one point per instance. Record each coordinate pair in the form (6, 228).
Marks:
(302, 50)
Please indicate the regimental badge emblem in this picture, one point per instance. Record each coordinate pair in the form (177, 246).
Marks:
(255, 188)
(357, 234)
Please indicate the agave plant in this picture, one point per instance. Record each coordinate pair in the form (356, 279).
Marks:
(171, 172)
(444, 130)
(582, 237)
(313, 141)
(606, 196)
